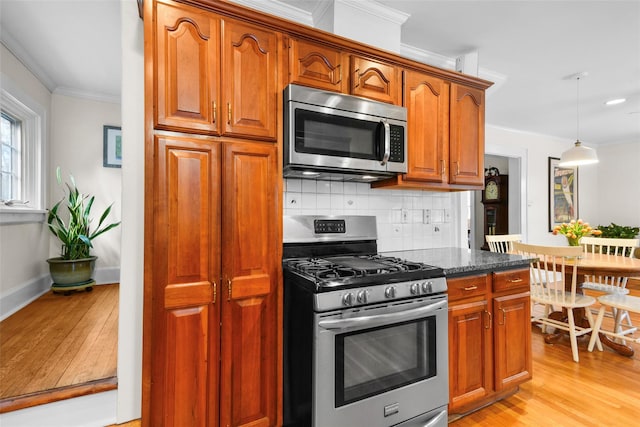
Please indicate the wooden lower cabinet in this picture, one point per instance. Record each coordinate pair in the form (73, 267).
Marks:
(489, 338)
(211, 299)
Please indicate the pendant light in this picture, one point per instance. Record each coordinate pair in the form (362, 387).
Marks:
(578, 155)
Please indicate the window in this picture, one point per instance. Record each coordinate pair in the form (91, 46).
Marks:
(11, 144)
(22, 123)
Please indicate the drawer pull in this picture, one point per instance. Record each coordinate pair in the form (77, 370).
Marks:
(471, 288)
(515, 280)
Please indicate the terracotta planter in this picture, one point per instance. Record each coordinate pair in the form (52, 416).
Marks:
(71, 272)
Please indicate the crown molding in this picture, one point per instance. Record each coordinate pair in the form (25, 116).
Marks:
(27, 60)
(378, 9)
(92, 96)
(277, 8)
(427, 57)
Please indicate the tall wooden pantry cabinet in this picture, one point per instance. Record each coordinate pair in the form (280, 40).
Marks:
(212, 221)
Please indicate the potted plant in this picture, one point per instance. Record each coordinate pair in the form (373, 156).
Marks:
(616, 231)
(73, 270)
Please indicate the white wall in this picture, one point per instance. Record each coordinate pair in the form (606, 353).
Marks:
(132, 272)
(618, 184)
(77, 147)
(24, 248)
(607, 192)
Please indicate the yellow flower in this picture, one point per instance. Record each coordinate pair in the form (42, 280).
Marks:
(575, 229)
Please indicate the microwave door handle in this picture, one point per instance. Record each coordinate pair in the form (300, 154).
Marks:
(386, 142)
(381, 319)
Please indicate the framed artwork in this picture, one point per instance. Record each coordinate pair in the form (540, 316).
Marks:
(112, 154)
(563, 193)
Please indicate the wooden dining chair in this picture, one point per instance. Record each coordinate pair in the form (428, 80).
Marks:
(618, 303)
(502, 243)
(615, 285)
(550, 289)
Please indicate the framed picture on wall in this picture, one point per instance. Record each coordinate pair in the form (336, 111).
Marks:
(112, 151)
(563, 193)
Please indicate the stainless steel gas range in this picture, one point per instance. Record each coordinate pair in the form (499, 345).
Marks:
(365, 336)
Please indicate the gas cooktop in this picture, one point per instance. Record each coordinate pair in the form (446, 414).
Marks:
(347, 271)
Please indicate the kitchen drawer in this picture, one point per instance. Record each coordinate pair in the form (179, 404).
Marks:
(511, 280)
(469, 286)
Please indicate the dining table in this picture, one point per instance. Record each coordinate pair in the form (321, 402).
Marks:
(597, 264)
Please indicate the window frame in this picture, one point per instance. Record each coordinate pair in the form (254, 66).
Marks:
(33, 118)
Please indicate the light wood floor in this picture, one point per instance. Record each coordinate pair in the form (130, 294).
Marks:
(59, 347)
(602, 390)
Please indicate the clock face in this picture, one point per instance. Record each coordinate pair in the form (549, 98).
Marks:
(491, 191)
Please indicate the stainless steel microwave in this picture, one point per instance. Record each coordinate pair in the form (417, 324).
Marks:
(333, 136)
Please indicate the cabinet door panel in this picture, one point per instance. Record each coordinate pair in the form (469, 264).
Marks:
(187, 68)
(185, 315)
(185, 364)
(249, 83)
(249, 313)
(470, 353)
(466, 135)
(318, 66)
(376, 80)
(512, 339)
(427, 102)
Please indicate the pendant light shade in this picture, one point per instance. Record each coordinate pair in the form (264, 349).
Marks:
(578, 155)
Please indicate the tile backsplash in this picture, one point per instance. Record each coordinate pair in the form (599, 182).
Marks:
(405, 219)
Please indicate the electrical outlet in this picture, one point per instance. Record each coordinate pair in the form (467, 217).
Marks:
(426, 216)
(404, 215)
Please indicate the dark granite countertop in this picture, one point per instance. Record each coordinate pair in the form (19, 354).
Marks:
(463, 261)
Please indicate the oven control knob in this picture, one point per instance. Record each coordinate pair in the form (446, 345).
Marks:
(363, 296)
(390, 292)
(415, 289)
(427, 287)
(347, 299)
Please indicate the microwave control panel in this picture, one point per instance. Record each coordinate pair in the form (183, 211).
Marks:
(396, 135)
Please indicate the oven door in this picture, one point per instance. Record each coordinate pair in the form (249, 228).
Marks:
(380, 365)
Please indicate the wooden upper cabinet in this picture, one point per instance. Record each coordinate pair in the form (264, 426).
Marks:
(466, 136)
(215, 76)
(427, 102)
(249, 80)
(376, 80)
(250, 354)
(319, 66)
(187, 43)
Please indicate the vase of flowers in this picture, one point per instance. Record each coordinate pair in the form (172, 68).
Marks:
(575, 230)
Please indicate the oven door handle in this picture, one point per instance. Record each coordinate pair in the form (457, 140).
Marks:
(381, 319)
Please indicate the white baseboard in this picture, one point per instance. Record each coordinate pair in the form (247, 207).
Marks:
(23, 295)
(93, 410)
(32, 290)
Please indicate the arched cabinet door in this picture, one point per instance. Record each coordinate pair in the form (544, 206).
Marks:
(323, 67)
(427, 102)
(466, 137)
(186, 69)
(249, 80)
(376, 80)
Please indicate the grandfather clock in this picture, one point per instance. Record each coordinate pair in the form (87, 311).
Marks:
(495, 198)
